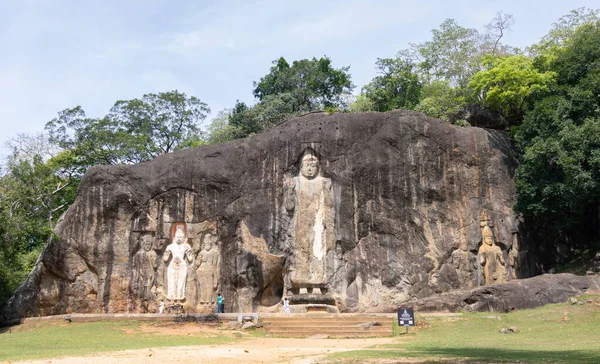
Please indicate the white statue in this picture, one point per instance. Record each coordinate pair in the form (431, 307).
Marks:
(206, 274)
(178, 255)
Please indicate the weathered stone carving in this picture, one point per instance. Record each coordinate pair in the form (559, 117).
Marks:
(178, 255)
(143, 268)
(491, 258)
(399, 190)
(207, 273)
(465, 264)
(516, 257)
(308, 198)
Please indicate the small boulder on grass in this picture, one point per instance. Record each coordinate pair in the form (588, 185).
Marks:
(509, 330)
(248, 325)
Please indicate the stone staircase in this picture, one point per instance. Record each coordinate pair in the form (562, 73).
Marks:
(328, 325)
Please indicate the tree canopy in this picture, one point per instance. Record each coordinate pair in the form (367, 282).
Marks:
(312, 84)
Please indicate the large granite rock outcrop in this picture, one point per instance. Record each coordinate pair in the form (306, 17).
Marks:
(389, 206)
(516, 295)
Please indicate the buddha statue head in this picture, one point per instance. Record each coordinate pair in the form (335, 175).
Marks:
(309, 165)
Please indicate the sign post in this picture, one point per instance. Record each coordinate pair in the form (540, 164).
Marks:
(406, 317)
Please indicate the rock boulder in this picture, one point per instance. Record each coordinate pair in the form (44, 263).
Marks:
(407, 197)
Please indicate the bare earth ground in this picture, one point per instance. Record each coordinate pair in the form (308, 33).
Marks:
(251, 350)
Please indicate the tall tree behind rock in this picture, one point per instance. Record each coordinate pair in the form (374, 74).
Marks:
(134, 131)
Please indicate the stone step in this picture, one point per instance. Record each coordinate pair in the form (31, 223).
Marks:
(317, 329)
(321, 324)
(326, 319)
(334, 326)
(339, 334)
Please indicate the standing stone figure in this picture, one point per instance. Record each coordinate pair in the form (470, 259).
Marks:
(516, 257)
(178, 255)
(465, 264)
(308, 198)
(491, 258)
(206, 274)
(144, 267)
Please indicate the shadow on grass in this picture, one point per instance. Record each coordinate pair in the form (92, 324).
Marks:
(5, 326)
(508, 355)
(477, 355)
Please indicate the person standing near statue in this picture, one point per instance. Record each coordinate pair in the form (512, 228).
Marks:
(220, 303)
(286, 305)
(178, 256)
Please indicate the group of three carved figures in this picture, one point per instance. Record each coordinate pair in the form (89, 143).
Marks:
(178, 257)
(491, 265)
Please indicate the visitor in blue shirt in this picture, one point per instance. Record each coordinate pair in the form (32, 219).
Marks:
(220, 303)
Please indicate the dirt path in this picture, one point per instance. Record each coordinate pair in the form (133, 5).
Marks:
(260, 350)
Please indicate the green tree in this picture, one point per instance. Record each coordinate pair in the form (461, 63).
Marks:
(452, 54)
(361, 104)
(507, 83)
(134, 130)
(440, 100)
(558, 179)
(312, 84)
(32, 196)
(564, 29)
(398, 86)
(221, 129)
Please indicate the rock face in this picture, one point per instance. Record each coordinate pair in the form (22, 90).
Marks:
(369, 210)
(525, 293)
(480, 116)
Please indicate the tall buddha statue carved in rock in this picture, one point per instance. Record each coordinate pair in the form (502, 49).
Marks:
(308, 198)
(206, 273)
(178, 256)
(491, 258)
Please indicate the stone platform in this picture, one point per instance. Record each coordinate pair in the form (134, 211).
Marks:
(324, 325)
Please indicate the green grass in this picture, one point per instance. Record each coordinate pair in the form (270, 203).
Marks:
(551, 334)
(50, 340)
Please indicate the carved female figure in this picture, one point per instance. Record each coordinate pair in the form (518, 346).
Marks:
(491, 258)
(144, 266)
(178, 255)
(207, 261)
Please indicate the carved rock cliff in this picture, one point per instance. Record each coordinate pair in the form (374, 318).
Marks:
(409, 197)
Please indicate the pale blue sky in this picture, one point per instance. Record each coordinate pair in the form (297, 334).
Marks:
(59, 54)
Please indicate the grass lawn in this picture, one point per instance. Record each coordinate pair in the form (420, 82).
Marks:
(557, 333)
(51, 339)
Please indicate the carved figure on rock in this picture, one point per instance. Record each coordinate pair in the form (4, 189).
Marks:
(206, 274)
(178, 255)
(144, 268)
(516, 257)
(491, 258)
(308, 198)
(464, 262)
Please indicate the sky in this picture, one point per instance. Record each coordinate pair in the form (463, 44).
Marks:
(57, 54)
